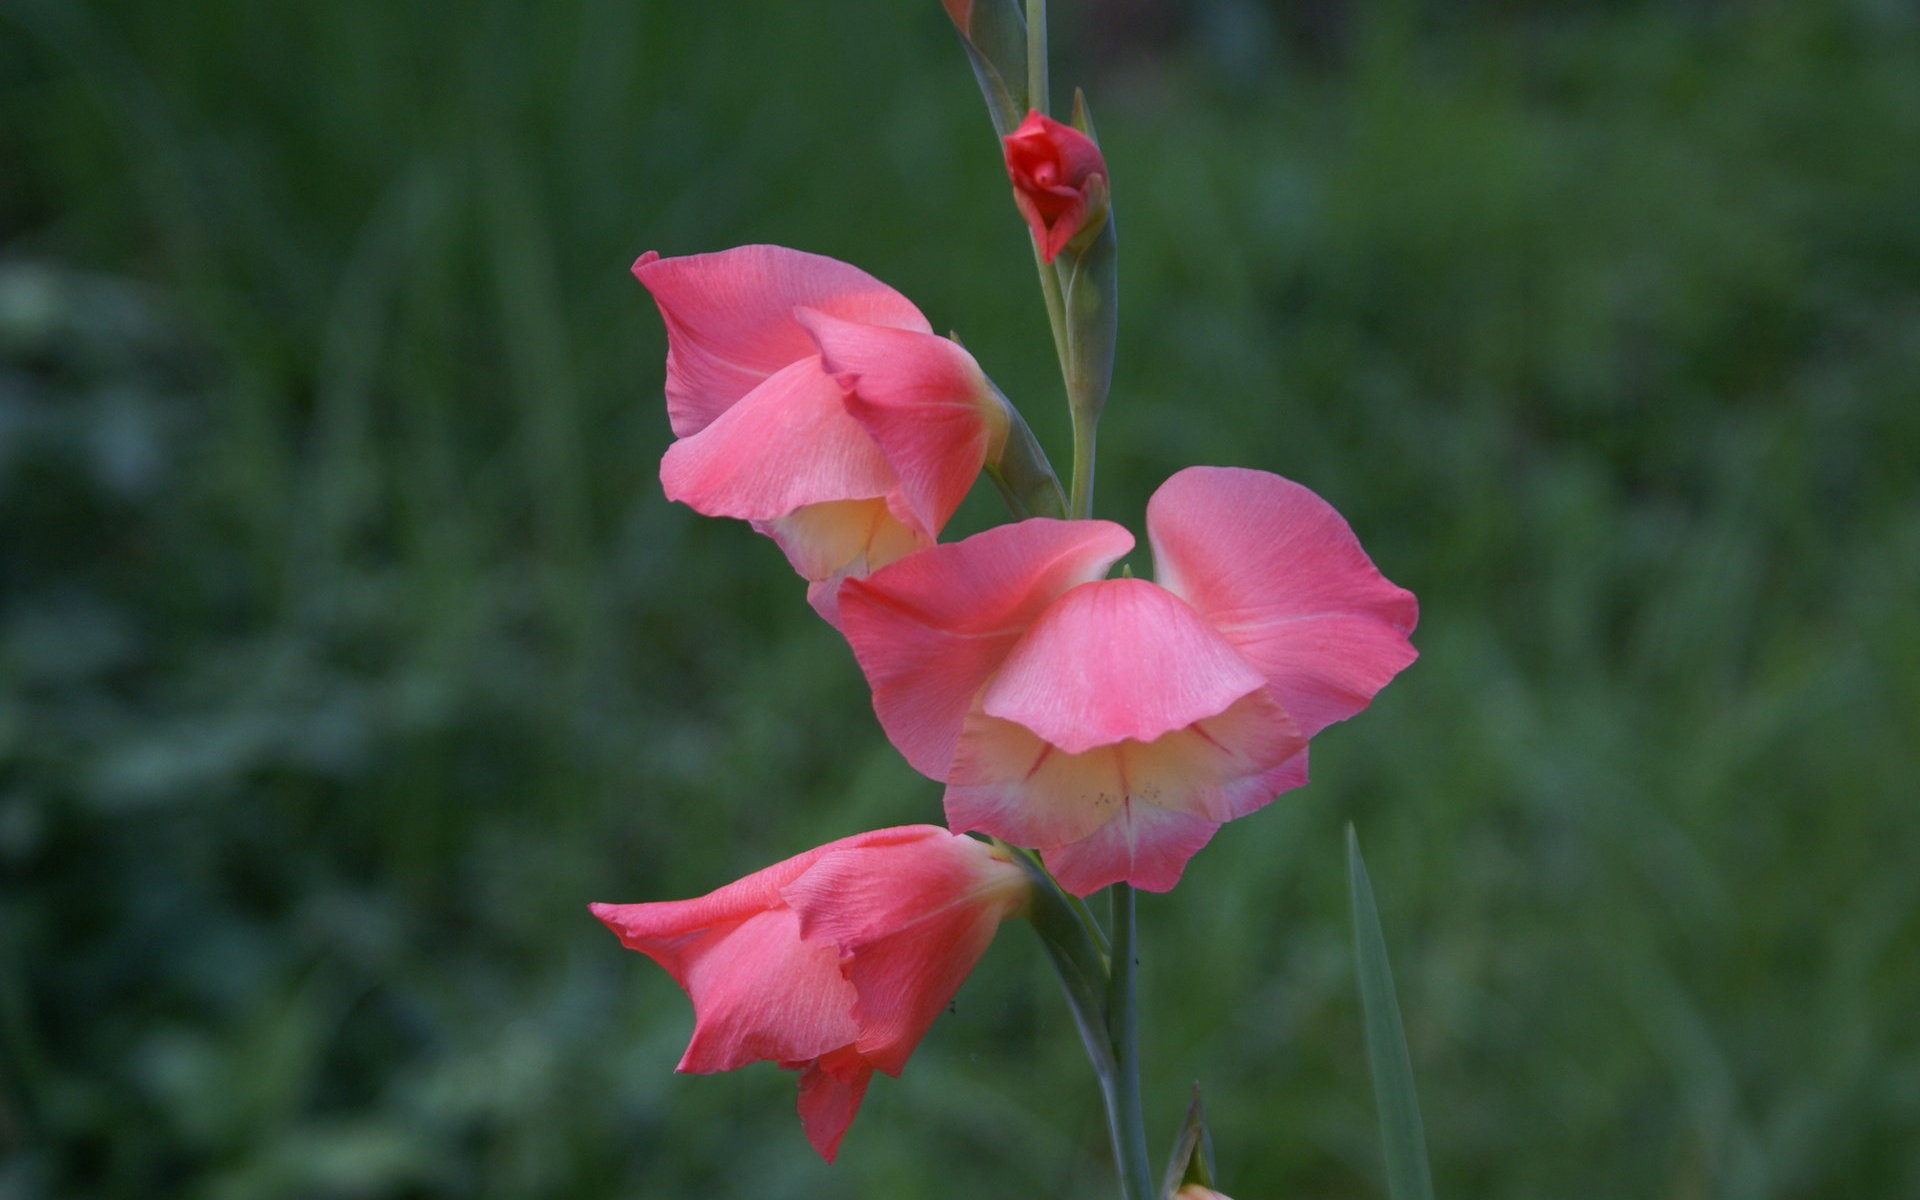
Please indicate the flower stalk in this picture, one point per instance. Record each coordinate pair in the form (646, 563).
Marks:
(1124, 1113)
(1101, 994)
(1079, 296)
(1097, 728)
(1037, 55)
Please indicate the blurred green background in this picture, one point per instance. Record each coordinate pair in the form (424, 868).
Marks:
(348, 648)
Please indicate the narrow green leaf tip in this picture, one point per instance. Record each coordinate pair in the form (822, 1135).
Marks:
(1403, 1140)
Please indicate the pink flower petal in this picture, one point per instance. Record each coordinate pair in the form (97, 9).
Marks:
(1278, 572)
(922, 399)
(671, 931)
(830, 1093)
(1116, 659)
(859, 543)
(1220, 768)
(831, 963)
(1144, 844)
(718, 947)
(786, 444)
(730, 323)
(741, 1017)
(838, 539)
(1007, 782)
(911, 913)
(931, 628)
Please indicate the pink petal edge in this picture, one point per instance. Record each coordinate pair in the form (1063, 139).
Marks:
(1280, 574)
(730, 323)
(930, 629)
(1113, 660)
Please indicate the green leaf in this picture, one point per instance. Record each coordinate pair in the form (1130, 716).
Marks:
(1403, 1141)
(1192, 1160)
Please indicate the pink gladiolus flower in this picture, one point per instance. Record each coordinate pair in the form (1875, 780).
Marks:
(817, 403)
(1059, 180)
(1115, 724)
(833, 963)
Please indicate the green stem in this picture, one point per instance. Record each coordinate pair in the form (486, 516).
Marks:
(1108, 1023)
(1037, 55)
(1056, 308)
(1080, 498)
(1125, 1118)
(1037, 100)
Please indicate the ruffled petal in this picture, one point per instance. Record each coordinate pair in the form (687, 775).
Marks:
(931, 628)
(922, 399)
(1279, 573)
(830, 1093)
(730, 323)
(1116, 659)
(1144, 845)
(912, 910)
(786, 444)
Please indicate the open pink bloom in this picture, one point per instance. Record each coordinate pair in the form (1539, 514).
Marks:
(1059, 180)
(832, 963)
(1115, 724)
(817, 403)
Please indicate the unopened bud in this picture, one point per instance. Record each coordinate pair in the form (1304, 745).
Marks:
(1059, 182)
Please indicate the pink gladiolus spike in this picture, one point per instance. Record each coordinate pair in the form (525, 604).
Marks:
(924, 402)
(929, 630)
(1278, 572)
(730, 323)
(832, 963)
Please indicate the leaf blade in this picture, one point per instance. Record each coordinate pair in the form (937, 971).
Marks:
(1403, 1139)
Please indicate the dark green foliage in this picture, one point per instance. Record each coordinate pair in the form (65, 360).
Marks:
(347, 647)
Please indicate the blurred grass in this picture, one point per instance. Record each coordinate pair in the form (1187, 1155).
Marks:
(348, 647)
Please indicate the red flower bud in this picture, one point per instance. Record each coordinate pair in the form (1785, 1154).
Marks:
(1059, 181)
